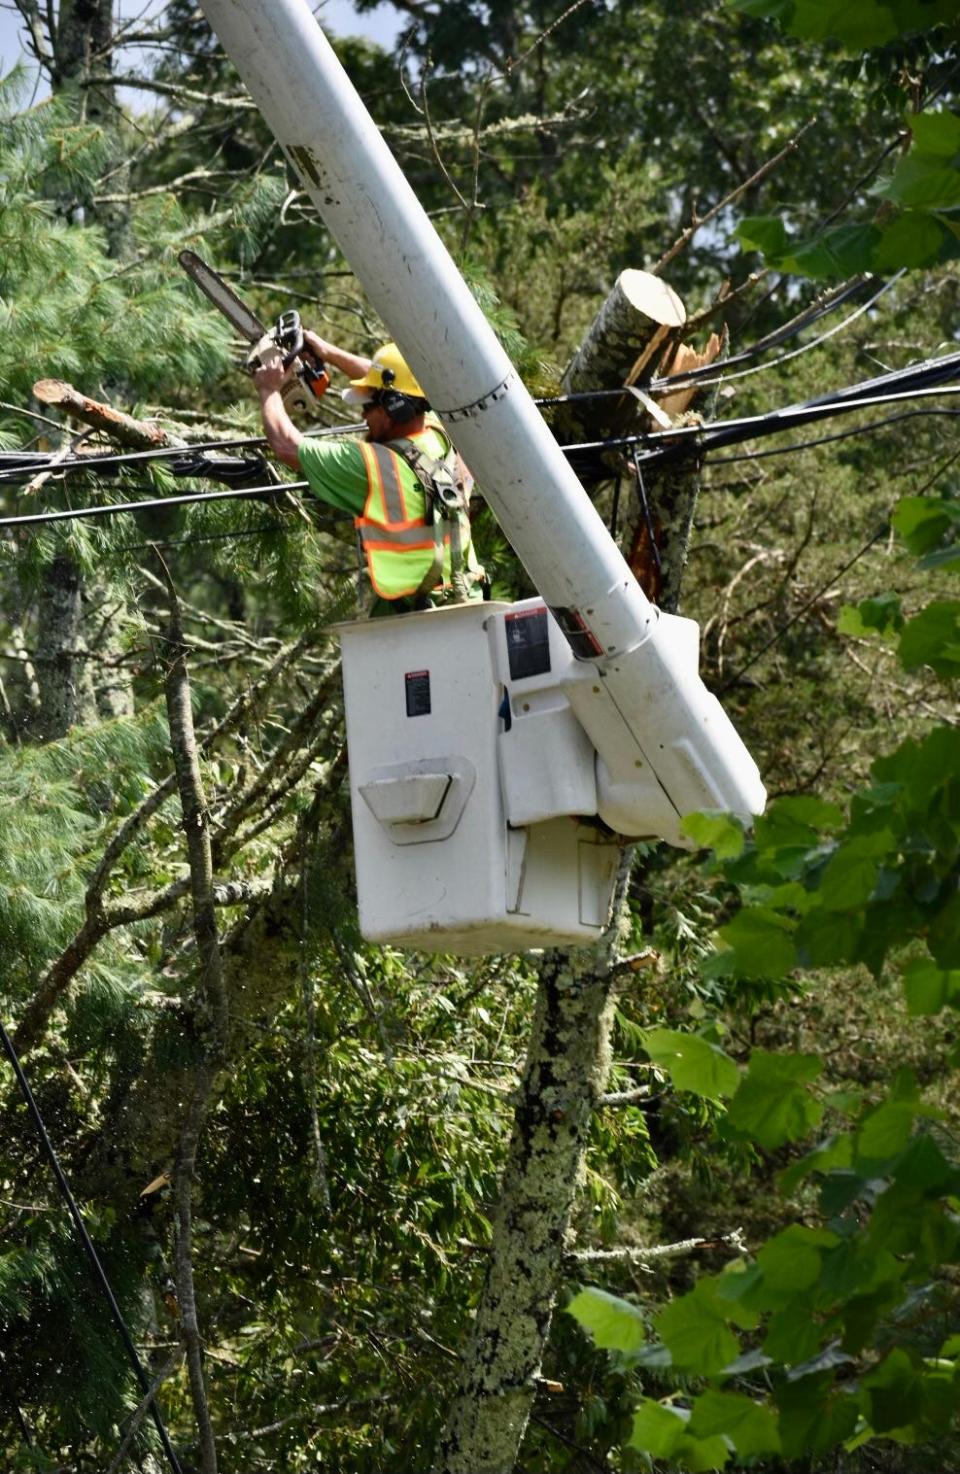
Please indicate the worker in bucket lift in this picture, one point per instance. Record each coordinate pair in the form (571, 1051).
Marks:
(405, 484)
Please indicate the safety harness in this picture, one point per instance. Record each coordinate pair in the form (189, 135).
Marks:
(446, 499)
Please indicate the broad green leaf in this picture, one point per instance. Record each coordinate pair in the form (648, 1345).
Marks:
(715, 831)
(932, 638)
(943, 938)
(692, 1063)
(836, 1151)
(930, 988)
(614, 1324)
(922, 522)
(849, 879)
(914, 238)
(891, 1394)
(841, 251)
(935, 133)
(750, 1427)
(657, 1429)
(695, 1329)
(886, 1131)
(814, 1415)
(923, 181)
(856, 24)
(772, 1104)
(761, 942)
(879, 616)
(791, 1260)
(766, 233)
(792, 1337)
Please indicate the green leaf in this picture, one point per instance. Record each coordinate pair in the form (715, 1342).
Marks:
(836, 1151)
(880, 616)
(772, 1105)
(932, 638)
(913, 239)
(692, 1063)
(791, 1260)
(886, 1131)
(856, 24)
(750, 1427)
(761, 942)
(657, 1429)
(614, 1324)
(695, 1329)
(891, 1394)
(922, 522)
(930, 988)
(721, 832)
(663, 1433)
(766, 233)
(814, 1415)
(848, 881)
(922, 181)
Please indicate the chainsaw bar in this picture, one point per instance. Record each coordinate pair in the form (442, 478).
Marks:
(213, 286)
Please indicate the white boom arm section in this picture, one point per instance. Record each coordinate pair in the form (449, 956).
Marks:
(661, 737)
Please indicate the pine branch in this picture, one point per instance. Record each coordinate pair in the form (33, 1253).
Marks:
(99, 921)
(137, 434)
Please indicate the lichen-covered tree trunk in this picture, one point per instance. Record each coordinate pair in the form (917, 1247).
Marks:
(66, 690)
(565, 1073)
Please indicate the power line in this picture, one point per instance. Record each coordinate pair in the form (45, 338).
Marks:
(801, 445)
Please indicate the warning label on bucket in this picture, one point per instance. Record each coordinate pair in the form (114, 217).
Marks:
(417, 683)
(528, 643)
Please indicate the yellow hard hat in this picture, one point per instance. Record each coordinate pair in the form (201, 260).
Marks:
(387, 371)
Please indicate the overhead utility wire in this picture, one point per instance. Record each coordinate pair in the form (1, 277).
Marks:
(800, 445)
(704, 438)
(38, 461)
(96, 1266)
(107, 509)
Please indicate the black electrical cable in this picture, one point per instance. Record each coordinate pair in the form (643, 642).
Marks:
(159, 453)
(801, 445)
(97, 1268)
(107, 509)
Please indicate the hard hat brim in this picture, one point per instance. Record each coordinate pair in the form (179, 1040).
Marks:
(359, 392)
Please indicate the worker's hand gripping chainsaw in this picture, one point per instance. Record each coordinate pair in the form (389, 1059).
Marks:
(306, 378)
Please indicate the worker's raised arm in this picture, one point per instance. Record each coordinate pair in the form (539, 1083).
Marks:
(282, 434)
(351, 364)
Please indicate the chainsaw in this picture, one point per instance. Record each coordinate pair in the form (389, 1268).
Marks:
(307, 379)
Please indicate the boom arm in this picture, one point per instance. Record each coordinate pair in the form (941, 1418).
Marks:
(642, 702)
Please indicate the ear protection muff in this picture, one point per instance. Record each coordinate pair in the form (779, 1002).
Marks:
(400, 407)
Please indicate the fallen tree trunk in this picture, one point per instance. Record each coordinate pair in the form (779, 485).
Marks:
(636, 329)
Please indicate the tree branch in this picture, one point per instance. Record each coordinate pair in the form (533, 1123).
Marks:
(643, 1257)
(213, 1000)
(684, 239)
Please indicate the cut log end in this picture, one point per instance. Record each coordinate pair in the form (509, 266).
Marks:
(652, 297)
(52, 391)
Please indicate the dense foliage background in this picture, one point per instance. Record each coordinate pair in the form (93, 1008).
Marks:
(761, 1252)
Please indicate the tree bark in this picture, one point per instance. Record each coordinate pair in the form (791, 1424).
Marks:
(566, 1070)
(635, 330)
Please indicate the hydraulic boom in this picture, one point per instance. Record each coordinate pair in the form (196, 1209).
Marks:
(664, 743)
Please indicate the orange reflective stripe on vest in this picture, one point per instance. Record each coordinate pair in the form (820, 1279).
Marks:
(398, 547)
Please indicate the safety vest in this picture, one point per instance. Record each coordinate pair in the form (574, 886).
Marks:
(402, 530)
